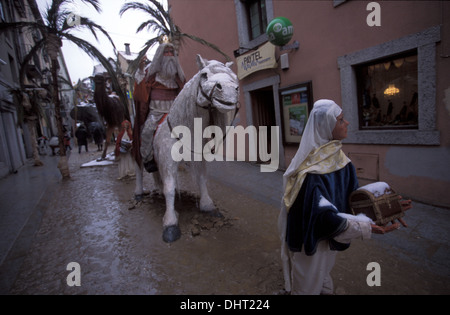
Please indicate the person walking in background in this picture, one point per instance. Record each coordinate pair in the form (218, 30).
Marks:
(66, 140)
(97, 133)
(82, 135)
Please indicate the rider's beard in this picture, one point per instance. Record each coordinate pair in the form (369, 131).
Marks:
(168, 72)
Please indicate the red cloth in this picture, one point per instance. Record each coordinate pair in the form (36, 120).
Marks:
(126, 126)
(144, 92)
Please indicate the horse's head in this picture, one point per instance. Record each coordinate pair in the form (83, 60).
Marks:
(102, 79)
(99, 78)
(219, 86)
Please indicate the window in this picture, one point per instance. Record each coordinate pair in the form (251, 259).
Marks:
(417, 55)
(387, 93)
(253, 17)
(257, 17)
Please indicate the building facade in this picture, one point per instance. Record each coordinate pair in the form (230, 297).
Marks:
(385, 63)
(12, 153)
(19, 128)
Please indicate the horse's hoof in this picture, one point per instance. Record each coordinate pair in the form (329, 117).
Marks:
(139, 197)
(171, 233)
(150, 166)
(214, 213)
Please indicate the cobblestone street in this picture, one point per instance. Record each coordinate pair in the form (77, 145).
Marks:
(92, 219)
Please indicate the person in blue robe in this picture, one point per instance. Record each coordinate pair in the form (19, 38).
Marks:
(312, 219)
(315, 221)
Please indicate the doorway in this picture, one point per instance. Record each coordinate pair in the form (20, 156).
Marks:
(263, 114)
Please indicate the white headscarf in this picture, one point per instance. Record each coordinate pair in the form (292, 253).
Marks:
(318, 131)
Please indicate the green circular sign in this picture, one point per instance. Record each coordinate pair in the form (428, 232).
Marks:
(280, 31)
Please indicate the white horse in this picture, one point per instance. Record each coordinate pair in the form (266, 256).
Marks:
(212, 95)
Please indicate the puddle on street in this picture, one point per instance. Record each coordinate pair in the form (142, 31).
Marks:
(94, 220)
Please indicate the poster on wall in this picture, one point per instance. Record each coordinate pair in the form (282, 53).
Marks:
(296, 103)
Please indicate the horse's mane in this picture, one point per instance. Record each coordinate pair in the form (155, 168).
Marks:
(183, 109)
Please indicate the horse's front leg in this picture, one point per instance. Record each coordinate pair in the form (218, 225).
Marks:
(206, 203)
(171, 231)
(139, 188)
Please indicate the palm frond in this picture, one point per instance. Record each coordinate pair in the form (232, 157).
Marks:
(132, 68)
(153, 26)
(56, 15)
(94, 53)
(51, 15)
(162, 15)
(206, 43)
(166, 15)
(161, 23)
(95, 4)
(158, 20)
(27, 58)
(94, 28)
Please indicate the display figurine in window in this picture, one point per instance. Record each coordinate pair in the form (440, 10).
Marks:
(412, 110)
(389, 111)
(375, 101)
(403, 111)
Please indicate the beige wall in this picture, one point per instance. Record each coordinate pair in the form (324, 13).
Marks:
(326, 33)
(203, 19)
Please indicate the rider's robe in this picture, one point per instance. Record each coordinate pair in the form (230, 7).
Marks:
(144, 92)
(141, 94)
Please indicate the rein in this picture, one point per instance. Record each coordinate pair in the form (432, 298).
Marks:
(210, 109)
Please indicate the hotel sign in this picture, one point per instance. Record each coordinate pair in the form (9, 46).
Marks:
(256, 60)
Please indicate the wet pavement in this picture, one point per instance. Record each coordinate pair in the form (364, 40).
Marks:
(93, 220)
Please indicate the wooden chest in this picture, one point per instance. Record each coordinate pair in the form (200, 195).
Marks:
(378, 201)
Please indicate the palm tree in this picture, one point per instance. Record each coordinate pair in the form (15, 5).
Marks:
(161, 24)
(58, 24)
(29, 111)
